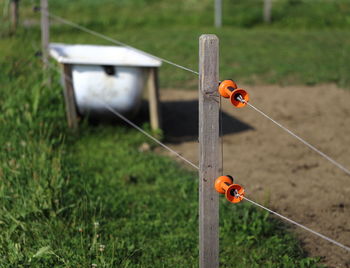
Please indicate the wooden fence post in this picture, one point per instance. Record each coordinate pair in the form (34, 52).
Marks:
(45, 34)
(218, 13)
(210, 158)
(267, 10)
(14, 14)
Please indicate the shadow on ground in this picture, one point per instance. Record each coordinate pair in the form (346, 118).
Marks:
(180, 120)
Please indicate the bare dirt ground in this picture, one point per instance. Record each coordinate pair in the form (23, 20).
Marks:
(275, 168)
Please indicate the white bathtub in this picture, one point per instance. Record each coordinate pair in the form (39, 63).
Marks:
(103, 75)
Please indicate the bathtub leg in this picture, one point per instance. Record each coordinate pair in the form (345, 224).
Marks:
(71, 109)
(153, 98)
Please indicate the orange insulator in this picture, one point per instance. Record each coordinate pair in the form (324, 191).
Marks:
(224, 88)
(233, 192)
(228, 89)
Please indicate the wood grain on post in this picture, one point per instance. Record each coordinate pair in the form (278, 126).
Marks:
(14, 14)
(210, 158)
(267, 10)
(71, 108)
(153, 98)
(45, 34)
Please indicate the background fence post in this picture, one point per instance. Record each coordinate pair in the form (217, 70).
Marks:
(210, 158)
(14, 14)
(45, 34)
(267, 10)
(218, 13)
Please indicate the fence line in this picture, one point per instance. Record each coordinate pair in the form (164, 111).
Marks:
(197, 168)
(168, 148)
(82, 28)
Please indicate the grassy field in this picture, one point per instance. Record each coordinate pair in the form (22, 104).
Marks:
(303, 45)
(76, 200)
(73, 200)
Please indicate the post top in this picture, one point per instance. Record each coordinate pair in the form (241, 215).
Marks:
(208, 37)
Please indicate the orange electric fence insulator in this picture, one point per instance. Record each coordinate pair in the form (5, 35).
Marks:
(233, 192)
(238, 96)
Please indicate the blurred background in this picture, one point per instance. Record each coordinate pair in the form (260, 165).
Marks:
(305, 42)
(72, 199)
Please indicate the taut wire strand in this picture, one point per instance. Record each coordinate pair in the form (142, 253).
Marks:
(197, 168)
(340, 166)
(114, 41)
(82, 28)
(298, 224)
(134, 125)
(149, 136)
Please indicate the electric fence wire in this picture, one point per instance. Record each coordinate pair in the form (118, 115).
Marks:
(82, 28)
(298, 224)
(337, 164)
(114, 41)
(249, 200)
(149, 135)
(107, 38)
(115, 112)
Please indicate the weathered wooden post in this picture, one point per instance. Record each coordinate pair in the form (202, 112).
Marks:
(218, 13)
(45, 34)
(210, 158)
(14, 14)
(267, 10)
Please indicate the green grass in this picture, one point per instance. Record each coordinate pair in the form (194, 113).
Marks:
(249, 56)
(291, 14)
(303, 45)
(76, 200)
(71, 200)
